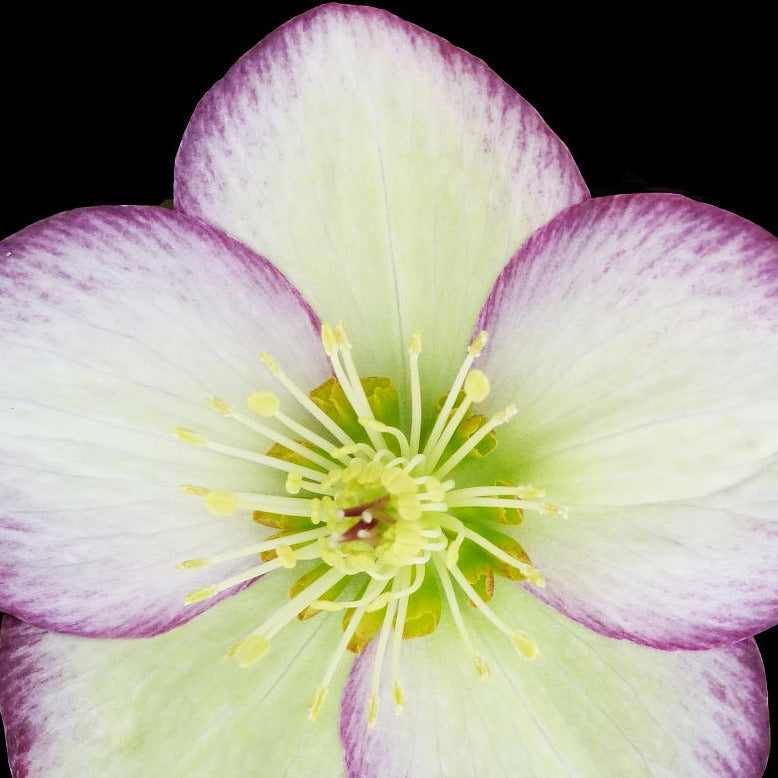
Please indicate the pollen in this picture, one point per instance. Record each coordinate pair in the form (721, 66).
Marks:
(383, 508)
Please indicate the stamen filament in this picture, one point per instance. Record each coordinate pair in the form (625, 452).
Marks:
(521, 492)
(340, 650)
(451, 598)
(397, 637)
(521, 640)
(451, 398)
(262, 459)
(496, 420)
(298, 603)
(211, 591)
(257, 548)
(378, 661)
(283, 440)
(287, 506)
(399, 435)
(455, 525)
(414, 349)
(309, 435)
(303, 399)
(336, 345)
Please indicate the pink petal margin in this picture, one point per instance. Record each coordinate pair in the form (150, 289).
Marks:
(117, 323)
(638, 337)
(697, 713)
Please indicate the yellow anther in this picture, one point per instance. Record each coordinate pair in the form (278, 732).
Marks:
(286, 556)
(370, 472)
(249, 651)
(529, 492)
(452, 552)
(221, 503)
(294, 482)
(372, 711)
(395, 481)
(476, 386)
(219, 405)
(263, 403)
(527, 647)
(316, 511)
(481, 667)
(194, 491)
(554, 510)
(341, 337)
(348, 450)
(414, 344)
(188, 436)
(317, 703)
(399, 698)
(435, 489)
(190, 564)
(200, 594)
(506, 414)
(373, 424)
(535, 577)
(270, 363)
(328, 339)
(477, 346)
(408, 507)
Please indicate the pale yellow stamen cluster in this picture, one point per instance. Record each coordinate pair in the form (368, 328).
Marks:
(378, 512)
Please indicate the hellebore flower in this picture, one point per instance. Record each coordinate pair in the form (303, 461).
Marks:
(577, 508)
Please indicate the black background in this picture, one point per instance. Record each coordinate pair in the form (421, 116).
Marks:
(94, 104)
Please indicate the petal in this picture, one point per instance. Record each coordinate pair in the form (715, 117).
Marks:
(637, 337)
(117, 323)
(167, 705)
(585, 706)
(389, 174)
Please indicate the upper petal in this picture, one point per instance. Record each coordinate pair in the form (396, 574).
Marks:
(389, 174)
(638, 337)
(116, 324)
(586, 706)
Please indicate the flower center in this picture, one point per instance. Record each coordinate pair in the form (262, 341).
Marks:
(374, 517)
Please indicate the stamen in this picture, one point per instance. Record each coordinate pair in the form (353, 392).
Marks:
(455, 525)
(480, 664)
(257, 548)
(211, 591)
(195, 439)
(476, 389)
(399, 435)
(378, 661)
(271, 626)
(336, 345)
(521, 492)
(472, 352)
(304, 400)
(283, 440)
(499, 418)
(399, 626)
(221, 502)
(521, 640)
(414, 349)
(373, 588)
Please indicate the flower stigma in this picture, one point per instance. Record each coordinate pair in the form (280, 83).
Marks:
(373, 517)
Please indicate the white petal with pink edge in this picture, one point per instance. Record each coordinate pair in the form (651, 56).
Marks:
(586, 706)
(388, 173)
(168, 706)
(638, 337)
(116, 325)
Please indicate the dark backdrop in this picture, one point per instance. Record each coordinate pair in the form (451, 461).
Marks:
(94, 104)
